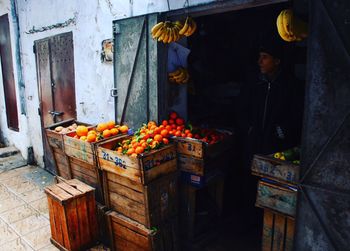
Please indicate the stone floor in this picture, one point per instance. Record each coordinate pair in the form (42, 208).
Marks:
(24, 216)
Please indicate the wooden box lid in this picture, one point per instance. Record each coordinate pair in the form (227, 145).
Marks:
(67, 190)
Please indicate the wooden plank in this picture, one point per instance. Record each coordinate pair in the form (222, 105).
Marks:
(124, 181)
(62, 218)
(276, 197)
(55, 142)
(129, 223)
(124, 245)
(83, 221)
(55, 233)
(79, 154)
(129, 208)
(69, 189)
(85, 169)
(162, 169)
(77, 144)
(267, 231)
(86, 178)
(190, 147)
(155, 158)
(191, 164)
(279, 232)
(130, 173)
(73, 224)
(289, 238)
(57, 193)
(126, 192)
(131, 236)
(91, 207)
(282, 171)
(80, 185)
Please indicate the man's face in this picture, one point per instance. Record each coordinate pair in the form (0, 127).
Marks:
(267, 63)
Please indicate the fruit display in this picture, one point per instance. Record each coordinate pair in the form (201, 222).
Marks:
(168, 31)
(149, 137)
(67, 129)
(180, 76)
(290, 27)
(175, 125)
(102, 131)
(292, 155)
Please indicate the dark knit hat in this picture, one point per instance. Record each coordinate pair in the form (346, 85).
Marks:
(273, 46)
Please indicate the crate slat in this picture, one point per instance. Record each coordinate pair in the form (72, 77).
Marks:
(277, 197)
(279, 170)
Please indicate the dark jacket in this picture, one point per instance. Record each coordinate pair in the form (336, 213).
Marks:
(276, 114)
(270, 115)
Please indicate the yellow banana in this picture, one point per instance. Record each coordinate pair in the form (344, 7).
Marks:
(185, 80)
(156, 27)
(287, 16)
(180, 76)
(174, 73)
(281, 29)
(171, 38)
(184, 28)
(159, 32)
(300, 29)
(194, 27)
(162, 36)
(166, 37)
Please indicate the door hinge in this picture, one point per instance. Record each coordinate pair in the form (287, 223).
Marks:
(34, 49)
(114, 92)
(39, 112)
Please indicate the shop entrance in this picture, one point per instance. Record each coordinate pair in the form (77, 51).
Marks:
(223, 64)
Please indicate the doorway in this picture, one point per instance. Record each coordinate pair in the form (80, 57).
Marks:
(56, 84)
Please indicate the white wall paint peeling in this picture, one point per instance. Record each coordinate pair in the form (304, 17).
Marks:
(93, 79)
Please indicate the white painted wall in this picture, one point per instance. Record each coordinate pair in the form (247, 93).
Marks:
(93, 79)
(19, 139)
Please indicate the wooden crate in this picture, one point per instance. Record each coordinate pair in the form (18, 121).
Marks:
(278, 232)
(72, 215)
(199, 149)
(103, 231)
(279, 197)
(143, 169)
(194, 222)
(83, 161)
(279, 170)
(149, 204)
(56, 144)
(127, 235)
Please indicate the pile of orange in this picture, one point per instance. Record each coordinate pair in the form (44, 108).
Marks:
(145, 139)
(102, 131)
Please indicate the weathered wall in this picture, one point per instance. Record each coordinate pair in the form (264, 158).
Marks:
(20, 139)
(93, 79)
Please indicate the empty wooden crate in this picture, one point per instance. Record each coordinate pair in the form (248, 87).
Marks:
(127, 235)
(278, 232)
(149, 204)
(72, 213)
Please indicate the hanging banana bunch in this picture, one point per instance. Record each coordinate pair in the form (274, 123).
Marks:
(189, 27)
(180, 76)
(291, 28)
(168, 32)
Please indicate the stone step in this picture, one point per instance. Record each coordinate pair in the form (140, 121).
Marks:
(10, 158)
(8, 151)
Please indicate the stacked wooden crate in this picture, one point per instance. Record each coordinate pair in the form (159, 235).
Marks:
(55, 141)
(142, 194)
(277, 195)
(83, 161)
(202, 174)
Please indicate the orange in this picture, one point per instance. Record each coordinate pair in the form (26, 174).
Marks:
(158, 138)
(130, 151)
(82, 130)
(183, 135)
(110, 124)
(92, 132)
(178, 134)
(165, 141)
(151, 123)
(164, 122)
(123, 129)
(91, 137)
(157, 130)
(171, 121)
(139, 150)
(189, 135)
(187, 131)
(179, 121)
(168, 127)
(101, 127)
(164, 133)
(106, 133)
(114, 131)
